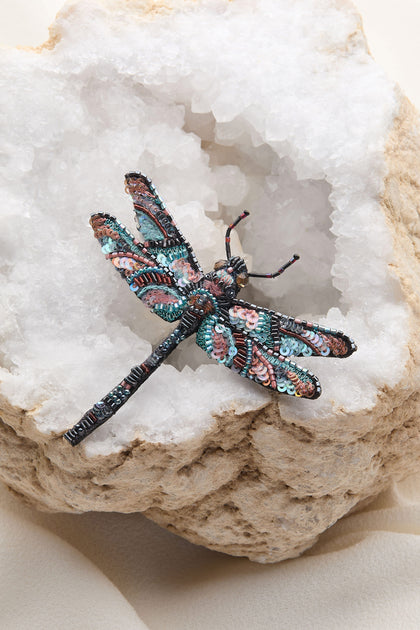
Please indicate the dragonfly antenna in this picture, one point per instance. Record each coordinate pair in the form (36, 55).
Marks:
(293, 259)
(244, 214)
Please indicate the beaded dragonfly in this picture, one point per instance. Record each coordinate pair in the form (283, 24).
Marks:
(164, 274)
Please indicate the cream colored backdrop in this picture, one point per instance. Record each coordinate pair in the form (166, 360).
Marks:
(120, 572)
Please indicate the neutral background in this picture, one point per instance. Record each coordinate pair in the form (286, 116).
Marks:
(114, 571)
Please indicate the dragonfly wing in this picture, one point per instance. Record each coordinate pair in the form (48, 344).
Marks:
(162, 237)
(153, 283)
(245, 355)
(288, 336)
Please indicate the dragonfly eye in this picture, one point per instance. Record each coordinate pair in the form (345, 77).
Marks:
(242, 280)
(220, 264)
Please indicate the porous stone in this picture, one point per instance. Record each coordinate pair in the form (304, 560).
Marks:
(270, 105)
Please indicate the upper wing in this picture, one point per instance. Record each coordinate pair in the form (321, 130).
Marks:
(241, 353)
(162, 238)
(288, 336)
(152, 282)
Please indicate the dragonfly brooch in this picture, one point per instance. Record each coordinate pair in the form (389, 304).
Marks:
(164, 273)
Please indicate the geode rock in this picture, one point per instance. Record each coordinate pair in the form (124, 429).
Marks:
(269, 105)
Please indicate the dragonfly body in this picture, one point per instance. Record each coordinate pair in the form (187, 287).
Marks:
(164, 274)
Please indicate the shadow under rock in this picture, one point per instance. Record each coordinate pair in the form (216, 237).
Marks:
(173, 584)
(135, 552)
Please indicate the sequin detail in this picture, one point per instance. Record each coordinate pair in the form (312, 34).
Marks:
(163, 301)
(216, 340)
(214, 287)
(290, 346)
(254, 323)
(137, 187)
(224, 277)
(318, 340)
(148, 227)
(243, 355)
(287, 336)
(183, 272)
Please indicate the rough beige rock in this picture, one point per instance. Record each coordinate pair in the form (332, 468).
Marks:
(255, 485)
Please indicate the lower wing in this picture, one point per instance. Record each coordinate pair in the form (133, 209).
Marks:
(288, 336)
(245, 355)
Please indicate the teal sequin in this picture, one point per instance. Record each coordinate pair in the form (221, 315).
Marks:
(108, 245)
(219, 346)
(148, 228)
(169, 254)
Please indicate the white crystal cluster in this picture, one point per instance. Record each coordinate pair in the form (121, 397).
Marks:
(270, 105)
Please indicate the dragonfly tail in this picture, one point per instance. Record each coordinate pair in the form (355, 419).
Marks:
(117, 397)
(107, 406)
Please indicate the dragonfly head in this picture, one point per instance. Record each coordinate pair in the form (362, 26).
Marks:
(236, 268)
